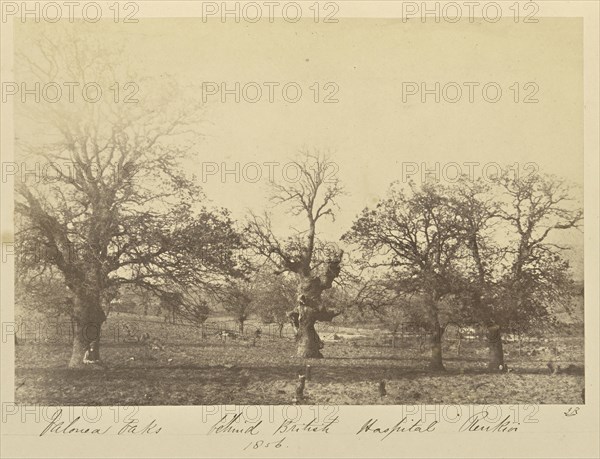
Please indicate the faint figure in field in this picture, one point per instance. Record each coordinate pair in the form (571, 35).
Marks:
(90, 356)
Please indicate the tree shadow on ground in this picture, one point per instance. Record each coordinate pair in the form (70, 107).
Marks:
(190, 384)
(319, 373)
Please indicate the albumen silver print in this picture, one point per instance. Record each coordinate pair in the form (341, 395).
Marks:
(266, 229)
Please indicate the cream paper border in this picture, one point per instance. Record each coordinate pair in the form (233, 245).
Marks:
(185, 428)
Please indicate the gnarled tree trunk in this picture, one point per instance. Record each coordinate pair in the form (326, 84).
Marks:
(309, 343)
(89, 318)
(310, 309)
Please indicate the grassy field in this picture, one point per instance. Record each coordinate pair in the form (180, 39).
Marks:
(191, 370)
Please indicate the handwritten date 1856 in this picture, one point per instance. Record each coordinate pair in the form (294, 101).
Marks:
(260, 444)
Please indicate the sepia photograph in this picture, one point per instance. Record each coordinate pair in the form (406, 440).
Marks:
(278, 204)
(190, 264)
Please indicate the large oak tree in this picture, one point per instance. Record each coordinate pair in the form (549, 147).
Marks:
(416, 237)
(113, 206)
(311, 197)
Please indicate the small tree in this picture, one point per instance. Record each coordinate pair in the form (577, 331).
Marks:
(238, 300)
(274, 296)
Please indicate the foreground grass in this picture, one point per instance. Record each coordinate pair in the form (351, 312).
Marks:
(212, 372)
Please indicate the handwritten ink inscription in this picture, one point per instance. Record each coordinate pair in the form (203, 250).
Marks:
(404, 425)
(58, 425)
(480, 422)
(236, 424)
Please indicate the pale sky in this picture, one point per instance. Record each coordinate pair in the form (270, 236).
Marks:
(371, 131)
